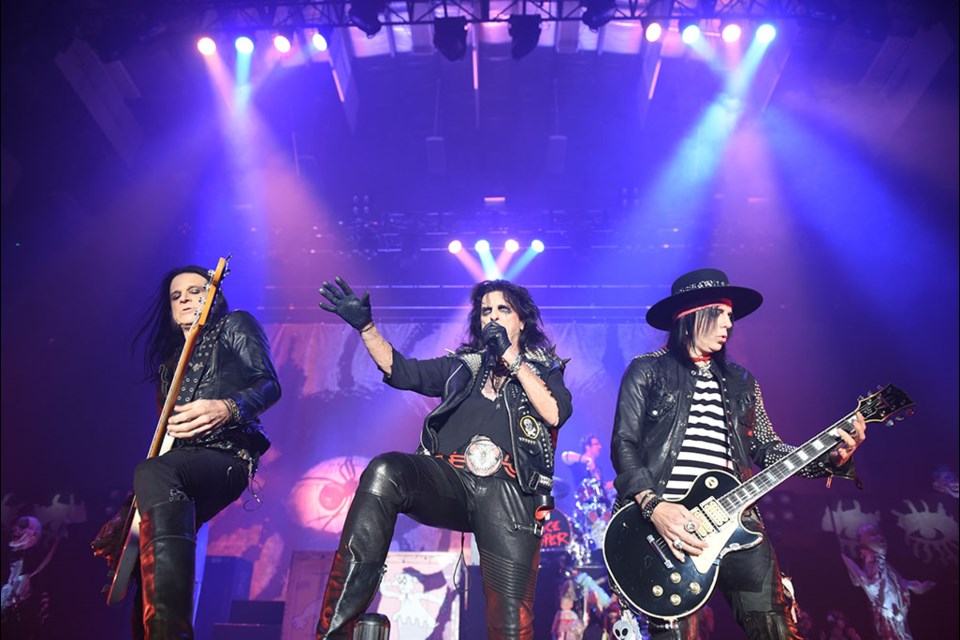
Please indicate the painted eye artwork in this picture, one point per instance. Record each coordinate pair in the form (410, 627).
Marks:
(322, 495)
(931, 534)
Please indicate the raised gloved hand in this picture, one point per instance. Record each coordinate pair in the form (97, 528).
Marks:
(495, 338)
(346, 304)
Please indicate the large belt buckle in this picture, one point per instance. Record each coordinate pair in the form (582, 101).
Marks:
(483, 457)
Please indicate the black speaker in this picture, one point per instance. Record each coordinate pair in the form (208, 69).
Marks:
(225, 579)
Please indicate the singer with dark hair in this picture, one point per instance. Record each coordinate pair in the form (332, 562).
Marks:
(484, 463)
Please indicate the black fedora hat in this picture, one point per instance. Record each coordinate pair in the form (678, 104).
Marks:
(701, 287)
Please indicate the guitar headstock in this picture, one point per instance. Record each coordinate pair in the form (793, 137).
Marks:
(211, 289)
(884, 404)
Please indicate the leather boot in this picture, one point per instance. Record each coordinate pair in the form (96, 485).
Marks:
(168, 544)
(350, 590)
(769, 626)
(357, 566)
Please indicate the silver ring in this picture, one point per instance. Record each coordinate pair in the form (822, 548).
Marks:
(678, 544)
(690, 527)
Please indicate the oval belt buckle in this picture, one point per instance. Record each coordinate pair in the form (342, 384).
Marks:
(483, 457)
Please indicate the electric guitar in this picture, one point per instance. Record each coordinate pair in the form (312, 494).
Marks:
(645, 572)
(162, 442)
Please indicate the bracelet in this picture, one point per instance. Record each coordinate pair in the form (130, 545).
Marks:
(515, 367)
(647, 510)
(234, 410)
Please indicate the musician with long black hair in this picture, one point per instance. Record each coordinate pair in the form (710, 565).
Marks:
(218, 440)
(484, 463)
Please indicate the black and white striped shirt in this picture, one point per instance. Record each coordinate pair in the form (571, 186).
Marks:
(706, 442)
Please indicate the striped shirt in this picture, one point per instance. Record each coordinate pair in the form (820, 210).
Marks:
(706, 442)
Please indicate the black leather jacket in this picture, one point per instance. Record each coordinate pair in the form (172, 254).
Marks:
(452, 377)
(652, 410)
(238, 367)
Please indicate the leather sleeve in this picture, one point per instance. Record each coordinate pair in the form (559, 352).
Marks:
(626, 445)
(258, 386)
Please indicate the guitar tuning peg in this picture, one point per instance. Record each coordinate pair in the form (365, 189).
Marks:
(860, 398)
(889, 423)
(898, 418)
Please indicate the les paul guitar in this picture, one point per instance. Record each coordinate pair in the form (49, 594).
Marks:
(162, 442)
(639, 561)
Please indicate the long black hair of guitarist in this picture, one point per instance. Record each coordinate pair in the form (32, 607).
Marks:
(684, 411)
(217, 439)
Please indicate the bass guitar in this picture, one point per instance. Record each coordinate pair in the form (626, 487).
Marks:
(638, 559)
(162, 442)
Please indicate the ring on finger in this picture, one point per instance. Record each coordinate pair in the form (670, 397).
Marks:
(690, 526)
(678, 544)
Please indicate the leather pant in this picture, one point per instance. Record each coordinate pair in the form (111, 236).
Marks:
(436, 494)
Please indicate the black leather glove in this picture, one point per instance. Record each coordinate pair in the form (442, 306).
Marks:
(495, 338)
(346, 304)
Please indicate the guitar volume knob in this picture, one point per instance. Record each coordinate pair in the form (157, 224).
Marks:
(675, 600)
(675, 578)
(657, 590)
(695, 587)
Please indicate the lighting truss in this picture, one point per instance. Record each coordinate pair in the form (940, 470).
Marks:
(211, 16)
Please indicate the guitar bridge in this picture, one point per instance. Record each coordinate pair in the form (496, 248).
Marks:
(655, 543)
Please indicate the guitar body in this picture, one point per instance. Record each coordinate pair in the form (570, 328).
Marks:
(646, 573)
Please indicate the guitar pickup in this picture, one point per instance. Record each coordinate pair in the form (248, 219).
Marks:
(655, 543)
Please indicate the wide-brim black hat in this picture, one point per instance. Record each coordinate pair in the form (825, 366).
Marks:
(700, 287)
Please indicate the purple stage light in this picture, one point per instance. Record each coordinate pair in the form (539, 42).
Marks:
(731, 33)
(206, 46)
(653, 32)
(281, 43)
(537, 246)
(455, 246)
(482, 246)
(511, 245)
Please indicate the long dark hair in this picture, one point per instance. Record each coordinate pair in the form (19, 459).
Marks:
(162, 338)
(683, 336)
(532, 335)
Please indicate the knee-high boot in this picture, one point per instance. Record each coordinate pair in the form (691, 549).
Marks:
(357, 566)
(168, 544)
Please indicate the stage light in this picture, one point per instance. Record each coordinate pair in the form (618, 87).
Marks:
(365, 15)
(281, 43)
(597, 13)
(321, 39)
(511, 245)
(206, 46)
(482, 246)
(525, 32)
(689, 31)
(244, 45)
(455, 246)
(653, 32)
(731, 32)
(537, 246)
(450, 37)
(766, 32)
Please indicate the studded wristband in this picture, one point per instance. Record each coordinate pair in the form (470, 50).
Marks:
(647, 509)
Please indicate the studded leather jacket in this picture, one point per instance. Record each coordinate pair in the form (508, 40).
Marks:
(231, 361)
(652, 410)
(451, 379)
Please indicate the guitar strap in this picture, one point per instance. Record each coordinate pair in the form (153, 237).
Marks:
(199, 360)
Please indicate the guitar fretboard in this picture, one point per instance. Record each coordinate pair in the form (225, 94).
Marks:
(753, 489)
